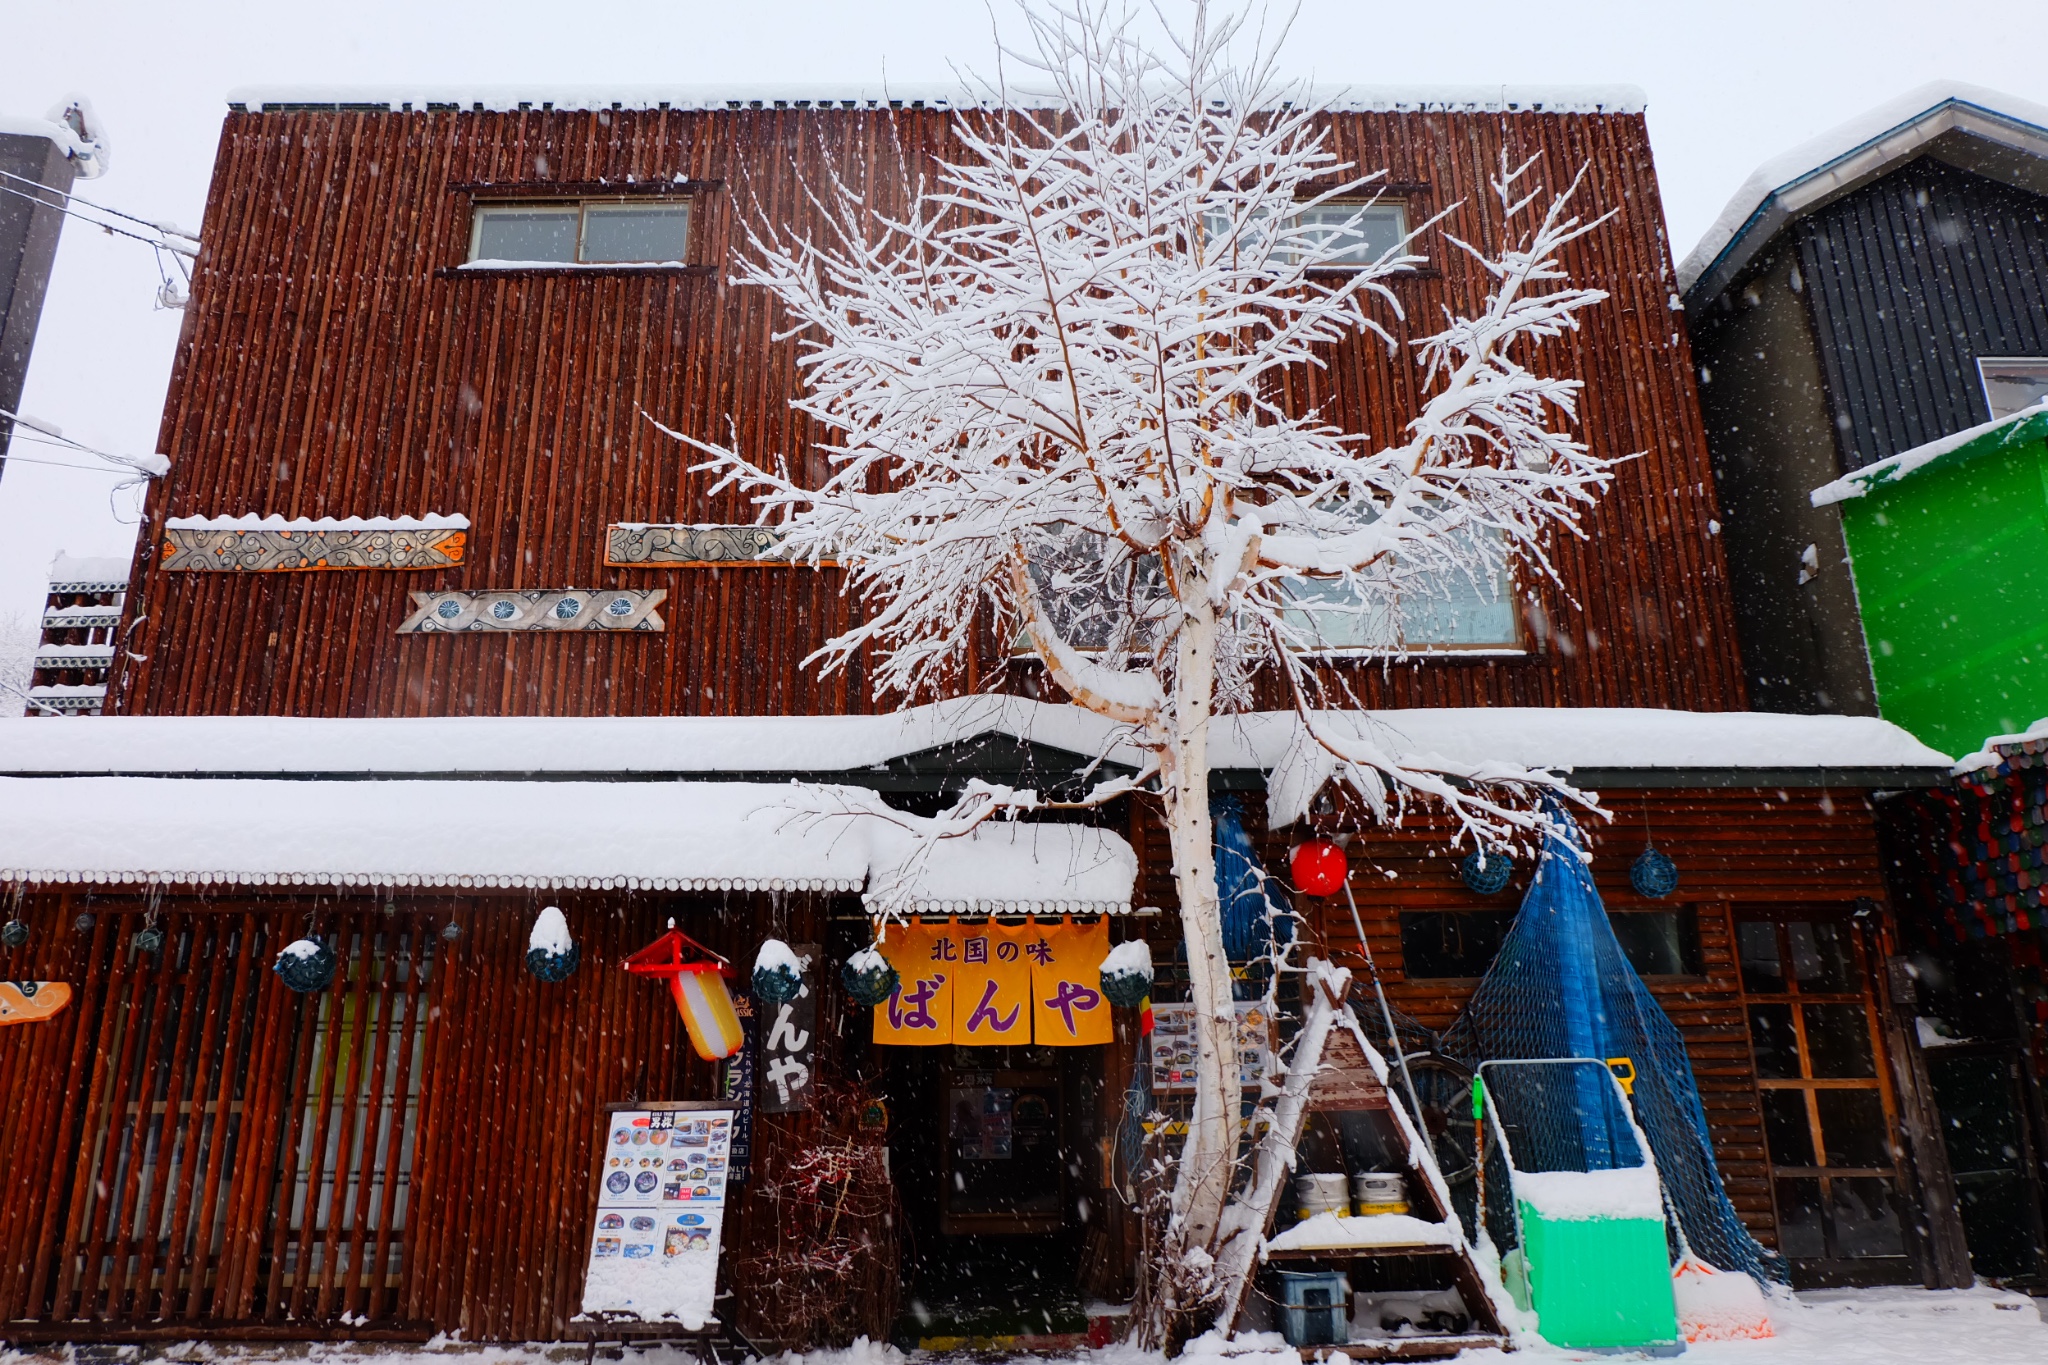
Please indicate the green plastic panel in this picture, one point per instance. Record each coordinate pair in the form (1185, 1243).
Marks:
(1599, 1282)
(1951, 573)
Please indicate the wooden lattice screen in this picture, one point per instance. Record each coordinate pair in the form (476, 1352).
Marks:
(236, 1153)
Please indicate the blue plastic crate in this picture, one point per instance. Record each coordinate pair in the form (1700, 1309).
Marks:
(1315, 1307)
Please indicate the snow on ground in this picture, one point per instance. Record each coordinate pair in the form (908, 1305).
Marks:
(1829, 1327)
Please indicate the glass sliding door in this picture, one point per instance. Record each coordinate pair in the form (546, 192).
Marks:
(1828, 1111)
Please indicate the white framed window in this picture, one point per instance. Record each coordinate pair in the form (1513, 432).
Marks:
(580, 232)
(1451, 613)
(2012, 383)
(1368, 229)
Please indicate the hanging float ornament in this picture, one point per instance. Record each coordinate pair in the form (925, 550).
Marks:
(1486, 871)
(13, 934)
(1319, 867)
(868, 978)
(149, 939)
(305, 966)
(698, 985)
(1652, 874)
(778, 973)
(1127, 974)
(1127, 980)
(551, 954)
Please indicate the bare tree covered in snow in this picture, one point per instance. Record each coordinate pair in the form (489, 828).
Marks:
(18, 638)
(1052, 391)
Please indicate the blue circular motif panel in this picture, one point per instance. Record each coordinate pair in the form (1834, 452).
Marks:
(504, 611)
(448, 611)
(568, 609)
(620, 606)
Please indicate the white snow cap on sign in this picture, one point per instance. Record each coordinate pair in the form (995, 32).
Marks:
(1846, 153)
(70, 568)
(550, 933)
(432, 521)
(300, 949)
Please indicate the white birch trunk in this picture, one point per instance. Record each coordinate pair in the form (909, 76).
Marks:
(1202, 1183)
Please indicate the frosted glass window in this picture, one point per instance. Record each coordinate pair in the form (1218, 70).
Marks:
(525, 233)
(1453, 612)
(2013, 384)
(635, 232)
(1379, 228)
(608, 233)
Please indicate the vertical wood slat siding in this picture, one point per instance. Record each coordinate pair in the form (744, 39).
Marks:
(1909, 280)
(330, 371)
(233, 1093)
(1743, 846)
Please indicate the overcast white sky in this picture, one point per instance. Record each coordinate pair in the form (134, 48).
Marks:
(1730, 83)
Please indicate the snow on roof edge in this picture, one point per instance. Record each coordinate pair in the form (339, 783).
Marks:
(1990, 756)
(1604, 738)
(1818, 154)
(2023, 425)
(1420, 98)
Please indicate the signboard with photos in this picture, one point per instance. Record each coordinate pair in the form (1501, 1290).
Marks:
(1173, 1045)
(662, 1182)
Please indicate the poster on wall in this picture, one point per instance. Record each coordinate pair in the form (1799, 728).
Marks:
(661, 1199)
(736, 1088)
(1173, 1045)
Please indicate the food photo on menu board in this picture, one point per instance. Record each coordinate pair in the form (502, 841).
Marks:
(660, 1212)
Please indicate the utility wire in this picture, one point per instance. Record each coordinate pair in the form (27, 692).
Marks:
(149, 466)
(164, 231)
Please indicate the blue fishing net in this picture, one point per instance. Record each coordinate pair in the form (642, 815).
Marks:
(1561, 987)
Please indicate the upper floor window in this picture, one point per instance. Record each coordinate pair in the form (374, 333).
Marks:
(1379, 227)
(581, 232)
(2013, 383)
(1454, 611)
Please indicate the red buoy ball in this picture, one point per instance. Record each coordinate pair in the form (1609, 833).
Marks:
(1319, 867)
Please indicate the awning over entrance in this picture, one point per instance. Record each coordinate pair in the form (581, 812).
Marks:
(671, 836)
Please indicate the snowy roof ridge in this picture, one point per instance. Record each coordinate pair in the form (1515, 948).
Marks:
(2024, 425)
(1363, 98)
(1803, 177)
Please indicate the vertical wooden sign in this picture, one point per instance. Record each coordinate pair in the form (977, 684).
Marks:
(736, 1088)
(789, 1033)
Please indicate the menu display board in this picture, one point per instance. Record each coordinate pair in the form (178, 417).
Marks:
(662, 1183)
(1173, 1045)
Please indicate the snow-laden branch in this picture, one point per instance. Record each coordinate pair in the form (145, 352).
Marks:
(1054, 368)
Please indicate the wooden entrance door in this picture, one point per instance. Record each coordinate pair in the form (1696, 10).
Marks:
(1830, 1117)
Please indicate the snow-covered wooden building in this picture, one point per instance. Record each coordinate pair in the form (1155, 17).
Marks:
(433, 627)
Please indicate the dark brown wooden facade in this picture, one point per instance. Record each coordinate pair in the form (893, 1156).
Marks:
(335, 364)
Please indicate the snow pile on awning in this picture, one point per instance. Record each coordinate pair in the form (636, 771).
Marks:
(696, 836)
